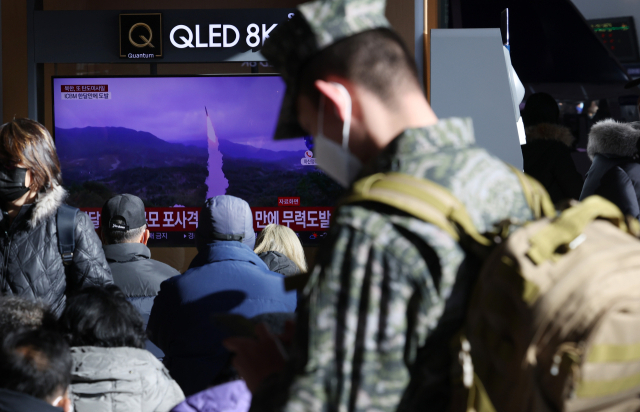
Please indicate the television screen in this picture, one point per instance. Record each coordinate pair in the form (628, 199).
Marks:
(176, 141)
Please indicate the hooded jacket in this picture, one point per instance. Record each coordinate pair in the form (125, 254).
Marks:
(614, 173)
(547, 157)
(121, 379)
(226, 277)
(11, 401)
(279, 263)
(30, 262)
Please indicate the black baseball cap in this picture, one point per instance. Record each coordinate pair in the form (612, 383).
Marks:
(123, 212)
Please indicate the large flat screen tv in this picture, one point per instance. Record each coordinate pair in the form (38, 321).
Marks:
(176, 141)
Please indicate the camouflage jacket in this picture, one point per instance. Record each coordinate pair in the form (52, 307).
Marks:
(388, 291)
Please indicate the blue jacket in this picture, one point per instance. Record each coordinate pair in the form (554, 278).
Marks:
(225, 277)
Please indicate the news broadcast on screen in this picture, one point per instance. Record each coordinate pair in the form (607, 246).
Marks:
(176, 141)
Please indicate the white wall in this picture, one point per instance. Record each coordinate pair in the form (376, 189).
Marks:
(602, 9)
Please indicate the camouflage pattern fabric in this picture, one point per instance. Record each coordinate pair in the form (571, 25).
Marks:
(385, 281)
(318, 25)
(332, 20)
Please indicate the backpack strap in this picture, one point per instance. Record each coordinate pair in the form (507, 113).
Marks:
(565, 232)
(435, 204)
(421, 198)
(66, 225)
(536, 195)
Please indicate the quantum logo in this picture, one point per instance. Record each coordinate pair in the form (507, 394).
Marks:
(141, 36)
(147, 42)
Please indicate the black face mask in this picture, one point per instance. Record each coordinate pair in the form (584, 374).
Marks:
(12, 183)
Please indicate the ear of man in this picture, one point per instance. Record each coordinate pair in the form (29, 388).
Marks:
(333, 95)
(144, 238)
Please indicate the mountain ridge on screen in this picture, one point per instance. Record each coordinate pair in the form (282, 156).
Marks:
(98, 162)
(80, 142)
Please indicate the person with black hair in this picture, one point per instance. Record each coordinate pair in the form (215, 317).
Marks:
(21, 313)
(547, 154)
(35, 372)
(389, 290)
(110, 366)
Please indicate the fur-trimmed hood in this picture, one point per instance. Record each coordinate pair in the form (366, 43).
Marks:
(548, 131)
(47, 204)
(614, 138)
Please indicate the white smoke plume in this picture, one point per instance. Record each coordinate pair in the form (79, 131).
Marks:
(216, 181)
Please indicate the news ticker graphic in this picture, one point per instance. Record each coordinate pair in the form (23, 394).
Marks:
(85, 92)
(185, 219)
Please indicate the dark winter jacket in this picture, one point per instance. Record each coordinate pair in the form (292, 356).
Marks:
(11, 401)
(279, 263)
(547, 157)
(225, 277)
(614, 173)
(139, 277)
(30, 262)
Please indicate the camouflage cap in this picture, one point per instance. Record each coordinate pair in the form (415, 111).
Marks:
(317, 25)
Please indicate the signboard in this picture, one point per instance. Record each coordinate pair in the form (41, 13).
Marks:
(141, 36)
(167, 36)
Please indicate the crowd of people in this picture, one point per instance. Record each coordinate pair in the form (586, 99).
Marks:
(104, 327)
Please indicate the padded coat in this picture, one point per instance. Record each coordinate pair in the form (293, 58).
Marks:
(225, 277)
(30, 262)
(615, 171)
(232, 396)
(279, 263)
(121, 379)
(139, 277)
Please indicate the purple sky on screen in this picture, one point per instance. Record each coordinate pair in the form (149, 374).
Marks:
(243, 109)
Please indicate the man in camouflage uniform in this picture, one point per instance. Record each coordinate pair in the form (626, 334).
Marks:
(389, 290)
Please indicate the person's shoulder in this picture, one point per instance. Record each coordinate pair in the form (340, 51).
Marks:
(163, 269)
(395, 234)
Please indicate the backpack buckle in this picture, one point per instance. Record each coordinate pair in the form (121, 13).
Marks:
(67, 258)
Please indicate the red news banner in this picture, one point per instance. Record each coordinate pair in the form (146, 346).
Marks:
(185, 219)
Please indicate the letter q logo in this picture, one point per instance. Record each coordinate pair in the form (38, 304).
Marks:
(147, 42)
(186, 42)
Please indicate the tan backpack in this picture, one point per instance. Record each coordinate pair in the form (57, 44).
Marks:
(554, 320)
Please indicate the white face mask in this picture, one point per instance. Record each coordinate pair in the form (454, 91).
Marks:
(59, 400)
(336, 160)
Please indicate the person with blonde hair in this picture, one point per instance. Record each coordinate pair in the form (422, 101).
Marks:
(279, 247)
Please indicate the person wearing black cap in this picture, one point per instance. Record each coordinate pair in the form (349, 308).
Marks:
(125, 236)
(225, 277)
